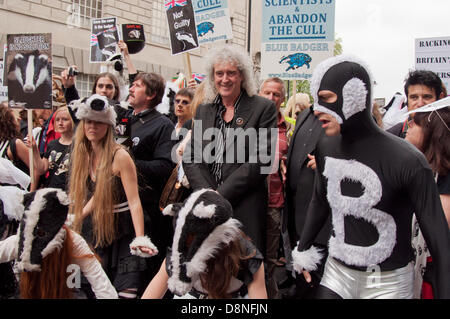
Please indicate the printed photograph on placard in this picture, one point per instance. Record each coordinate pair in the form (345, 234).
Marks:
(29, 70)
(133, 35)
(104, 39)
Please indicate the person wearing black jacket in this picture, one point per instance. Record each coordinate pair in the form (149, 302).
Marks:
(236, 167)
(299, 189)
(151, 149)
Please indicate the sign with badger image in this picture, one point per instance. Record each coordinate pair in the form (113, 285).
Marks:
(133, 35)
(104, 39)
(182, 28)
(296, 37)
(29, 70)
(213, 21)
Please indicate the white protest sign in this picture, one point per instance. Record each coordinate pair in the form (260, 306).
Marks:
(213, 20)
(433, 54)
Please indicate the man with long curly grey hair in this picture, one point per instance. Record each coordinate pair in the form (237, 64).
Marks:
(231, 146)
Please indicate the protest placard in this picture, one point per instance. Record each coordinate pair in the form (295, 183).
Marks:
(182, 27)
(296, 36)
(3, 89)
(103, 40)
(213, 20)
(433, 54)
(133, 35)
(29, 70)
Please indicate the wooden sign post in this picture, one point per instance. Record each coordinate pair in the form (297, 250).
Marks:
(30, 152)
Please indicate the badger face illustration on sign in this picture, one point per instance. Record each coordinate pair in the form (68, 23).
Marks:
(29, 80)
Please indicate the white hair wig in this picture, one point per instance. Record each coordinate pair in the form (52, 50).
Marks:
(229, 54)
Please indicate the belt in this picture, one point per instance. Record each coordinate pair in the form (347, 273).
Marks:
(234, 295)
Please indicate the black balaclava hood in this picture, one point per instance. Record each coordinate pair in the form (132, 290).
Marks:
(41, 228)
(350, 80)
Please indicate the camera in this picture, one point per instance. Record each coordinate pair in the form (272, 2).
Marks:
(73, 71)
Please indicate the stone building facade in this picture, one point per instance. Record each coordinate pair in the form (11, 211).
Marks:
(69, 23)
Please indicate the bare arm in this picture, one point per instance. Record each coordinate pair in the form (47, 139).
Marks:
(68, 81)
(445, 199)
(40, 164)
(158, 286)
(257, 288)
(123, 166)
(87, 209)
(126, 56)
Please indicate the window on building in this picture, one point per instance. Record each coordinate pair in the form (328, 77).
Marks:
(87, 9)
(84, 84)
(159, 29)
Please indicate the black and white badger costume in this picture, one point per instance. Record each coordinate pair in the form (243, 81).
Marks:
(205, 217)
(41, 231)
(372, 183)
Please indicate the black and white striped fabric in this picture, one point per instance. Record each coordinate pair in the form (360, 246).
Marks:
(216, 166)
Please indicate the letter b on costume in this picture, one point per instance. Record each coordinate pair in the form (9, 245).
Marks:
(362, 208)
(74, 279)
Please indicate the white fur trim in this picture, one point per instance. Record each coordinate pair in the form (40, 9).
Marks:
(142, 241)
(187, 207)
(9, 174)
(324, 66)
(320, 108)
(354, 94)
(177, 286)
(164, 106)
(108, 115)
(70, 220)
(168, 210)
(306, 260)
(31, 219)
(12, 198)
(224, 233)
(55, 243)
(337, 170)
(202, 211)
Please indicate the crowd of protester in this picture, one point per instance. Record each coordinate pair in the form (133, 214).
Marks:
(283, 197)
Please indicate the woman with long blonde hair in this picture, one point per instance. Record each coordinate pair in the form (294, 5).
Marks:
(106, 203)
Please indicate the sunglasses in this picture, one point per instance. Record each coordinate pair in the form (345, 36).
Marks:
(182, 102)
